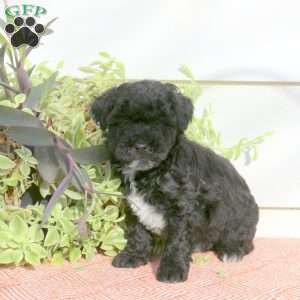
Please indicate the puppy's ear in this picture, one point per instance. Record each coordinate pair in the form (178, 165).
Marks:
(102, 107)
(182, 106)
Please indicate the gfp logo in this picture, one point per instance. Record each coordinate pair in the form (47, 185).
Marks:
(25, 10)
(24, 30)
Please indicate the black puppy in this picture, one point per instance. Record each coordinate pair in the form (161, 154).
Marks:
(183, 191)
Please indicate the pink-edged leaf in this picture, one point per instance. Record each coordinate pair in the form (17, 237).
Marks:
(48, 166)
(38, 92)
(23, 79)
(59, 191)
(90, 155)
(31, 136)
(10, 116)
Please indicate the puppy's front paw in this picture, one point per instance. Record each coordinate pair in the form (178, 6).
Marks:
(170, 273)
(126, 260)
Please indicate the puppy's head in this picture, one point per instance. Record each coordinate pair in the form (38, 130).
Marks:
(141, 121)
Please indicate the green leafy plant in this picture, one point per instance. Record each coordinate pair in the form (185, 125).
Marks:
(57, 169)
(52, 152)
(202, 129)
(25, 240)
(37, 138)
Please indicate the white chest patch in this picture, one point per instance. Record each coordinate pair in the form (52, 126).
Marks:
(146, 213)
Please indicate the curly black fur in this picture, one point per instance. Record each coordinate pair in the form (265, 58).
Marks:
(176, 188)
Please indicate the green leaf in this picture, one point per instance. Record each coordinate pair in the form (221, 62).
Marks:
(37, 93)
(67, 225)
(120, 244)
(89, 251)
(104, 54)
(52, 237)
(13, 244)
(20, 98)
(10, 181)
(57, 211)
(38, 250)
(120, 70)
(6, 163)
(30, 71)
(9, 256)
(4, 215)
(57, 258)
(24, 169)
(184, 69)
(44, 189)
(17, 256)
(91, 155)
(60, 64)
(116, 235)
(255, 153)
(17, 226)
(51, 22)
(75, 254)
(3, 226)
(65, 241)
(3, 38)
(107, 247)
(87, 69)
(5, 237)
(74, 195)
(7, 103)
(23, 153)
(48, 31)
(192, 91)
(111, 213)
(31, 257)
(31, 160)
(28, 111)
(2, 51)
(15, 117)
(36, 234)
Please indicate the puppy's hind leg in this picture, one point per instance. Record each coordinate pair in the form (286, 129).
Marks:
(138, 248)
(233, 251)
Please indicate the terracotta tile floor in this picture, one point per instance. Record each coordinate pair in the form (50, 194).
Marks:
(272, 271)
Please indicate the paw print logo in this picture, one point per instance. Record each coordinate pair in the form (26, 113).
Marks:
(24, 32)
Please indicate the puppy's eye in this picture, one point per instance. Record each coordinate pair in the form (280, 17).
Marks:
(140, 147)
